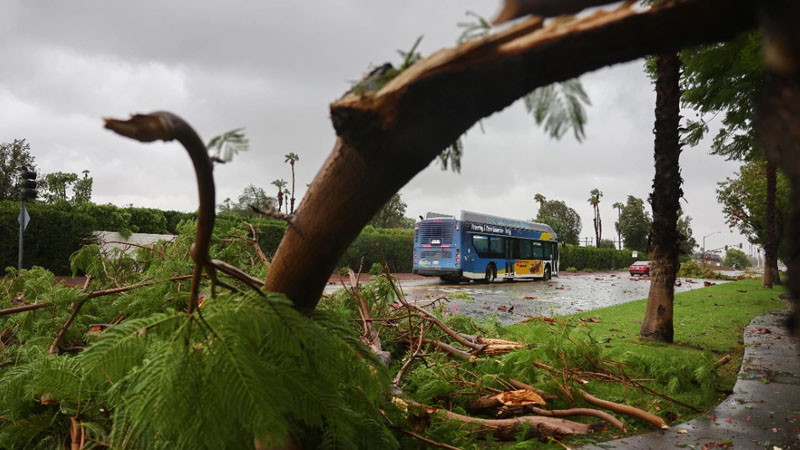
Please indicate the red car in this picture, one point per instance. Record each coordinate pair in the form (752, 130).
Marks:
(640, 268)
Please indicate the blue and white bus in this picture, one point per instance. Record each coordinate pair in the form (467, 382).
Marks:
(483, 247)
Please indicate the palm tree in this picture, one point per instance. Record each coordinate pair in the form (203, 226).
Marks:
(540, 198)
(292, 158)
(281, 185)
(618, 206)
(664, 236)
(286, 196)
(594, 200)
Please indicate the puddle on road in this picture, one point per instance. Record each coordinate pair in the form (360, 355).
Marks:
(513, 301)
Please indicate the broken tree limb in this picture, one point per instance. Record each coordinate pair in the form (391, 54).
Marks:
(513, 9)
(722, 361)
(457, 352)
(616, 423)
(165, 126)
(520, 385)
(75, 309)
(509, 429)
(521, 397)
(640, 414)
(371, 338)
(387, 137)
(23, 308)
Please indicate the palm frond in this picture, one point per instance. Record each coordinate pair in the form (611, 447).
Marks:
(560, 107)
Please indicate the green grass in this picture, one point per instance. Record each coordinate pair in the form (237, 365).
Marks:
(708, 324)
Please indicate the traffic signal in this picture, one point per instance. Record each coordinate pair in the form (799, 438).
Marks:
(726, 247)
(27, 184)
(740, 245)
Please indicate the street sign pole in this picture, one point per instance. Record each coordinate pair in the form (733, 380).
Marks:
(21, 228)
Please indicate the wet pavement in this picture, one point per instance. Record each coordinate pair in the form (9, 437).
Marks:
(514, 301)
(762, 413)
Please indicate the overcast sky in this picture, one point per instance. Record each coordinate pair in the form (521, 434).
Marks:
(274, 67)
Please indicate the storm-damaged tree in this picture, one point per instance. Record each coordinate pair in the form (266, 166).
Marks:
(594, 200)
(388, 135)
(292, 158)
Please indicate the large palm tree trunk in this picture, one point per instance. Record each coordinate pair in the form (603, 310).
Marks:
(771, 245)
(665, 239)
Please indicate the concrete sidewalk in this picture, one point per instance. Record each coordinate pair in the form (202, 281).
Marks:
(762, 413)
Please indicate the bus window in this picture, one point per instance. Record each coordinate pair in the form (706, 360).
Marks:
(481, 244)
(548, 250)
(538, 251)
(496, 247)
(525, 249)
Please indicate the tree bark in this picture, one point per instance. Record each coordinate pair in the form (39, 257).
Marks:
(387, 137)
(771, 245)
(665, 238)
(778, 120)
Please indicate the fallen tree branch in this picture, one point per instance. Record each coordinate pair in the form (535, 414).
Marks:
(23, 308)
(387, 137)
(370, 337)
(513, 9)
(256, 247)
(582, 412)
(640, 414)
(458, 353)
(509, 429)
(143, 247)
(520, 385)
(521, 397)
(75, 309)
(399, 374)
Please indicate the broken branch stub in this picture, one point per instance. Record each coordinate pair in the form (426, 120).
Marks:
(387, 137)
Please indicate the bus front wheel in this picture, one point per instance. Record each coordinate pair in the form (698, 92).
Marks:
(491, 273)
(546, 273)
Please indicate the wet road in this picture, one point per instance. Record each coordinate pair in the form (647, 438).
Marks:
(569, 293)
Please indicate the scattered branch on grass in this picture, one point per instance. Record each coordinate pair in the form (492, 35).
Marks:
(582, 412)
(722, 361)
(509, 429)
(652, 419)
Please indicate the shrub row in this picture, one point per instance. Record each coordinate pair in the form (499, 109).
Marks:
(595, 258)
(56, 231)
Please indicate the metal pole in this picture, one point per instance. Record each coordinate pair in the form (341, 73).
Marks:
(21, 229)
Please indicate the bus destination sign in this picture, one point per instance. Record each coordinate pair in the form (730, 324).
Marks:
(484, 228)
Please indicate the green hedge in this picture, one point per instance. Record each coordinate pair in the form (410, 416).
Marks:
(53, 234)
(594, 258)
(393, 246)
